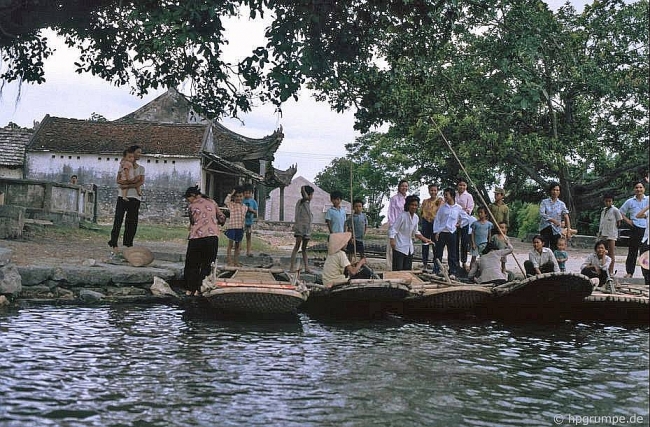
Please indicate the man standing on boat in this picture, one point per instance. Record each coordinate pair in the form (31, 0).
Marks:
(444, 231)
(629, 210)
(395, 209)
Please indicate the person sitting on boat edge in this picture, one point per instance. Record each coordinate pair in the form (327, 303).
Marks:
(541, 259)
(487, 268)
(337, 264)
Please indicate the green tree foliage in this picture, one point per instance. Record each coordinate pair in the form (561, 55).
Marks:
(96, 117)
(521, 94)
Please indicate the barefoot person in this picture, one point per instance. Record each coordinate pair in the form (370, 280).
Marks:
(203, 241)
(302, 227)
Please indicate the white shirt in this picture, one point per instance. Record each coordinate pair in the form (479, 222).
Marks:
(633, 206)
(403, 231)
(609, 219)
(447, 218)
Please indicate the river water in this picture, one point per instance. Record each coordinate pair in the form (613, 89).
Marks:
(154, 366)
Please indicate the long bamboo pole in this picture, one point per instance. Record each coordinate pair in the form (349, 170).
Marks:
(478, 193)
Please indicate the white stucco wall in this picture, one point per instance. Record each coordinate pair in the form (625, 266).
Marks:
(163, 172)
(15, 173)
(319, 204)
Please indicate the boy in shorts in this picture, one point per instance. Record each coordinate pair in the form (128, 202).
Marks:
(610, 220)
(251, 215)
(235, 232)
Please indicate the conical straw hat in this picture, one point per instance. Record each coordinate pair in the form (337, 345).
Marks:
(138, 256)
(337, 242)
(644, 259)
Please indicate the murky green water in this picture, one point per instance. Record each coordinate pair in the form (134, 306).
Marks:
(152, 366)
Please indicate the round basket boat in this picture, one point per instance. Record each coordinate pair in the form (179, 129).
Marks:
(448, 300)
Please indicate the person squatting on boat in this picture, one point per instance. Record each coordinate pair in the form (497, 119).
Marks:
(337, 265)
(402, 232)
(597, 263)
(203, 240)
(487, 269)
(541, 259)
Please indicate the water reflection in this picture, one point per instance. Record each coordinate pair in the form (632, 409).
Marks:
(131, 365)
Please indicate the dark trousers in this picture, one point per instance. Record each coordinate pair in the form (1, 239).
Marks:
(200, 255)
(550, 239)
(427, 231)
(544, 268)
(448, 240)
(402, 261)
(636, 234)
(359, 246)
(463, 243)
(131, 208)
(590, 272)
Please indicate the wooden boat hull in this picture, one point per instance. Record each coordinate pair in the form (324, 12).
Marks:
(545, 297)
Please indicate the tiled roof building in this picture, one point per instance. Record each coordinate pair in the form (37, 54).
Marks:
(12, 151)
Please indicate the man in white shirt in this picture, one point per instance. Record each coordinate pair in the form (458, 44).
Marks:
(444, 231)
(629, 210)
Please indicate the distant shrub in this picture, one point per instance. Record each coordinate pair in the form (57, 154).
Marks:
(527, 219)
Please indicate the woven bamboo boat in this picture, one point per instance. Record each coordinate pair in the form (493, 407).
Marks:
(548, 296)
(357, 297)
(253, 292)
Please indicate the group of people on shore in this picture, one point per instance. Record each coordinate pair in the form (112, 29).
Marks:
(448, 223)
(440, 223)
(549, 253)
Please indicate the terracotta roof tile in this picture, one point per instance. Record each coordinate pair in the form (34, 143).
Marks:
(12, 146)
(81, 136)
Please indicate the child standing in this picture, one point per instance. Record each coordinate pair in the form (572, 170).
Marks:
(481, 233)
(357, 224)
(610, 220)
(127, 172)
(251, 216)
(500, 211)
(500, 240)
(302, 227)
(561, 255)
(335, 216)
(235, 232)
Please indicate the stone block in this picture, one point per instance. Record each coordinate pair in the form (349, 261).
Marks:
(12, 221)
(5, 256)
(10, 281)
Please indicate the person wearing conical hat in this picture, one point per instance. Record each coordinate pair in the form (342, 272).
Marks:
(337, 262)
